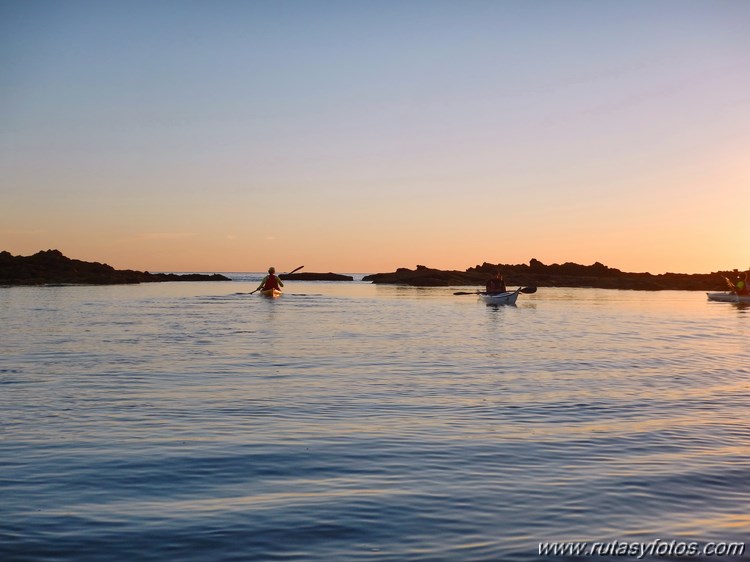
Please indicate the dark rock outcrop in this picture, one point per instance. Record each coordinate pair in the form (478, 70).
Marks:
(427, 277)
(556, 275)
(309, 276)
(52, 267)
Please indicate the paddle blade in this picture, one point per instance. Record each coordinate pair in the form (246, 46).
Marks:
(528, 290)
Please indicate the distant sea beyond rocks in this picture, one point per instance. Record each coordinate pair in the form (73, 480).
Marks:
(52, 267)
(556, 275)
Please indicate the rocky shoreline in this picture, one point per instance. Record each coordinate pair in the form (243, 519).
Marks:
(556, 275)
(51, 267)
(310, 276)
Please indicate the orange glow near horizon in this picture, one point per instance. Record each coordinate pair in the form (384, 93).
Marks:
(446, 145)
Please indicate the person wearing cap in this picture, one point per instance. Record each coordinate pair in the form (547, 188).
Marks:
(496, 284)
(270, 281)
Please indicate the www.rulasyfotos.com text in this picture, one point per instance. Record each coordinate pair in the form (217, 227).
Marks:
(641, 550)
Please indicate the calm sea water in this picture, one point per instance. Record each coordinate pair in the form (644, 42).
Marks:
(190, 422)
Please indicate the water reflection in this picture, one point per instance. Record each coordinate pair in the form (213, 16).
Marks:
(741, 307)
(347, 419)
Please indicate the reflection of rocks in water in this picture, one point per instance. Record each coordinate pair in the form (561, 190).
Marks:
(556, 275)
(51, 266)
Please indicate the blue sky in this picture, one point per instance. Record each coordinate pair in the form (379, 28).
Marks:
(363, 136)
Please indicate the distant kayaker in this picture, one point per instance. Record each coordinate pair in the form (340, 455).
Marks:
(496, 284)
(740, 287)
(270, 281)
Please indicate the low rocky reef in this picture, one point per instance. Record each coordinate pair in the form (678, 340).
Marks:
(315, 277)
(556, 275)
(52, 267)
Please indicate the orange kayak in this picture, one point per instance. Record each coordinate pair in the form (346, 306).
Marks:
(271, 293)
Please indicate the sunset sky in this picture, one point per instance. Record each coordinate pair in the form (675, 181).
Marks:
(362, 136)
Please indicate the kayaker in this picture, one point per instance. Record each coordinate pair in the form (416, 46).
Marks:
(496, 284)
(270, 281)
(740, 287)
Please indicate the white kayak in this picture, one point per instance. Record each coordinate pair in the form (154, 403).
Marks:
(728, 297)
(508, 297)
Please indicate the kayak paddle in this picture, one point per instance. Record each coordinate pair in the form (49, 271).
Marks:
(292, 271)
(527, 290)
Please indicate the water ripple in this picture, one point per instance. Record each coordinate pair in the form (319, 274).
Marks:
(196, 422)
